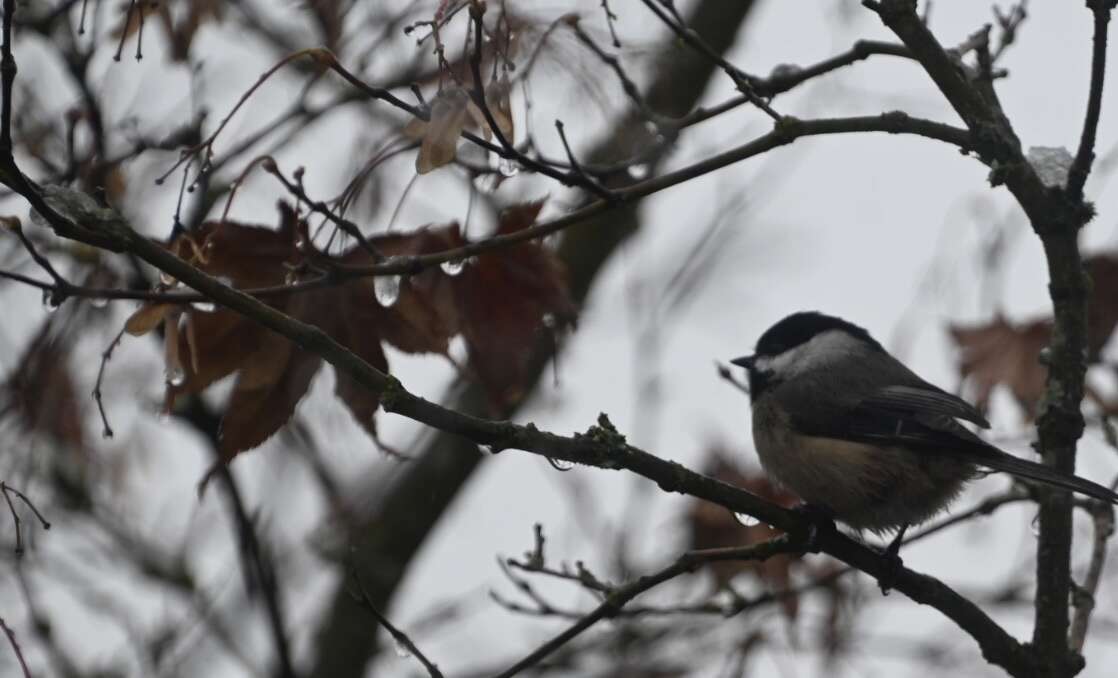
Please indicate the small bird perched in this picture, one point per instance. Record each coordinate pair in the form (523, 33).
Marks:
(862, 439)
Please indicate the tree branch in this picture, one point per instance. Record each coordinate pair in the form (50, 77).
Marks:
(1085, 156)
(15, 647)
(1102, 515)
(615, 600)
(789, 130)
(1056, 217)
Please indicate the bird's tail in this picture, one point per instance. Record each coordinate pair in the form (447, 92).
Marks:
(1000, 461)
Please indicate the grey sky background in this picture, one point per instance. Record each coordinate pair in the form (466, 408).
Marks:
(886, 231)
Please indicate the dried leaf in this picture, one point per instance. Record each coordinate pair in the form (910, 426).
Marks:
(502, 303)
(257, 409)
(508, 301)
(146, 318)
(712, 526)
(354, 333)
(1001, 353)
(440, 137)
(40, 392)
(498, 96)
(1102, 309)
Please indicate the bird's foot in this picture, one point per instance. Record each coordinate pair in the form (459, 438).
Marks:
(894, 564)
(820, 519)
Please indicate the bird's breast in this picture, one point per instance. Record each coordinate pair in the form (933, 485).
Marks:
(866, 486)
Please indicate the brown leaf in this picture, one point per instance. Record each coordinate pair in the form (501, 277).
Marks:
(508, 300)
(272, 374)
(498, 97)
(40, 391)
(502, 303)
(258, 406)
(1001, 353)
(440, 134)
(712, 526)
(354, 332)
(423, 318)
(1102, 309)
(146, 318)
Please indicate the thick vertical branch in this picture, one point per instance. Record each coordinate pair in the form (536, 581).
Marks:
(1056, 214)
(7, 81)
(1059, 428)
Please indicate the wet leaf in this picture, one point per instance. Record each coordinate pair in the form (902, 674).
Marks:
(509, 301)
(146, 318)
(1002, 353)
(264, 398)
(502, 303)
(440, 134)
(498, 96)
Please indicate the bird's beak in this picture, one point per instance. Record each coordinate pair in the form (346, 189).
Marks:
(744, 361)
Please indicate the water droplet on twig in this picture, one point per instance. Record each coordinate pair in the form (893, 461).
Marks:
(453, 267)
(508, 167)
(387, 289)
(174, 376)
(746, 519)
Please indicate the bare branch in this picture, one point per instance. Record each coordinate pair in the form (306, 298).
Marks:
(617, 599)
(1085, 156)
(398, 636)
(1083, 598)
(15, 647)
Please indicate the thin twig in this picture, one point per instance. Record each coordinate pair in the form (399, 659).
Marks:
(570, 154)
(398, 636)
(1085, 156)
(106, 355)
(39, 259)
(893, 122)
(297, 189)
(8, 491)
(15, 647)
(508, 151)
(30, 504)
(15, 519)
(610, 19)
(1083, 597)
(741, 80)
(627, 85)
(616, 600)
(259, 566)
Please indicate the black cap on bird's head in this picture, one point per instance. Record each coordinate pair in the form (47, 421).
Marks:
(798, 329)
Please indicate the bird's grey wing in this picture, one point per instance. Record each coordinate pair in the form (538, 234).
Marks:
(886, 400)
(923, 399)
(927, 420)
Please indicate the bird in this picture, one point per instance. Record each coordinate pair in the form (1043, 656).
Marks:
(862, 439)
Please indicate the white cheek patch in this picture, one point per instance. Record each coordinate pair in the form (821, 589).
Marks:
(821, 350)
